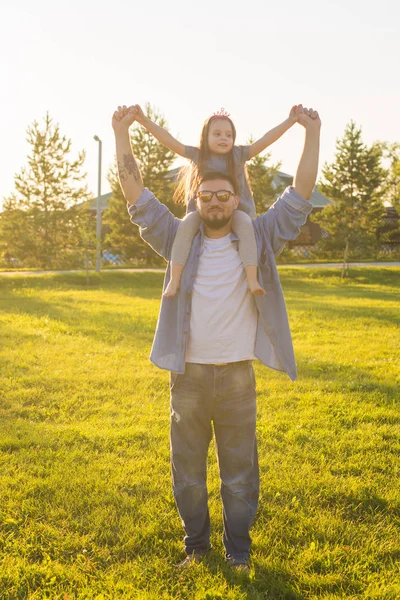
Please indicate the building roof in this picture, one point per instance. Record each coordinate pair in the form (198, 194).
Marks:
(318, 200)
(104, 199)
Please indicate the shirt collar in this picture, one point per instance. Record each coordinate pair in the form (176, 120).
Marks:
(234, 237)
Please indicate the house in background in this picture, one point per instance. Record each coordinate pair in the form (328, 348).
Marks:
(311, 232)
(104, 200)
(389, 232)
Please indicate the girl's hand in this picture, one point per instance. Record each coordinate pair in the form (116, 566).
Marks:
(295, 111)
(140, 116)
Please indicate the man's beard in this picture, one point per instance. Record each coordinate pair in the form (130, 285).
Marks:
(216, 223)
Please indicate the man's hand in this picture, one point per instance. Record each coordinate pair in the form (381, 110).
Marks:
(123, 118)
(309, 118)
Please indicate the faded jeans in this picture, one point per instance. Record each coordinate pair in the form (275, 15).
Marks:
(224, 395)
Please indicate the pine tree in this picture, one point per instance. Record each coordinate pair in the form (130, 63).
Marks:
(40, 221)
(389, 229)
(392, 154)
(122, 237)
(154, 161)
(355, 184)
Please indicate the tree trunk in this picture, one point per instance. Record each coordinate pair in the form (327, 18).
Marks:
(87, 263)
(345, 267)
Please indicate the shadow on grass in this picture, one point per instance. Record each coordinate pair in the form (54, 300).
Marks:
(104, 325)
(275, 583)
(73, 439)
(112, 326)
(352, 379)
(145, 284)
(148, 286)
(386, 276)
(364, 505)
(329, 310)
(267, 582)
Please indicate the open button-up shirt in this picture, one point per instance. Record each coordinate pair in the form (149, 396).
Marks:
(281, 223)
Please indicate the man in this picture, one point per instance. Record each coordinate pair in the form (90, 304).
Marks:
(208, 335)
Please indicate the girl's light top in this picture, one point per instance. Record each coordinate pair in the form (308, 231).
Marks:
(219, 164)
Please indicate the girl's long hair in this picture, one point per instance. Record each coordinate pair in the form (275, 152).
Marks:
(190, 174)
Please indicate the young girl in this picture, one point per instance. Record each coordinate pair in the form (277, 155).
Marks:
(217, 152)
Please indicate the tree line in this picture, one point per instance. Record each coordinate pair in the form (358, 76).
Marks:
(45, 222)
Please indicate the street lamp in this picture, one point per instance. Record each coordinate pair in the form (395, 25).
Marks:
(98, 211)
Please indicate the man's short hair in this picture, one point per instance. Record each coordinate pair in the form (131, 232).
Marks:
(213, 175)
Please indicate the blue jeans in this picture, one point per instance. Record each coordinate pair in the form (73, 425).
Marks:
(225, 396)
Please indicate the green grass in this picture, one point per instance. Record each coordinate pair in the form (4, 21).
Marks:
(86, 507)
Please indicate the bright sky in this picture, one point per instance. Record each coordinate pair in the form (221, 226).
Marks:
(80, 59)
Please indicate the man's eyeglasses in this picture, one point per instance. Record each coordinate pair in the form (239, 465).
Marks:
(221, 195)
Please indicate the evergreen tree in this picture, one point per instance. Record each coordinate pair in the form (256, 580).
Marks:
(122, 236)
(355, 183)
(154, 161)
(389, 230)
(40, 223)
(392, 154)
(261, 179)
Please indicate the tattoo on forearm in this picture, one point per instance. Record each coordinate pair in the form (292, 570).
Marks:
(131, 167)
(128, 167)
(123, 175)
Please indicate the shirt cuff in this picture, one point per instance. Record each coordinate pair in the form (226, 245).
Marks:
(141, 204)
(296, 200)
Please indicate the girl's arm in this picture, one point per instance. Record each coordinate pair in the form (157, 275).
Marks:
(163, 136)
(274, 134)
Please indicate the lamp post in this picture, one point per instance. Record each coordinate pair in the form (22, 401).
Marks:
(98, 211)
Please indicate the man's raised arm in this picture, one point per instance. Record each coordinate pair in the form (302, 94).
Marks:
(156, 223)
(128, 171)
(283, 221)
(306, 174)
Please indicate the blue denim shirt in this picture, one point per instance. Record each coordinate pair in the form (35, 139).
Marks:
(281, 223)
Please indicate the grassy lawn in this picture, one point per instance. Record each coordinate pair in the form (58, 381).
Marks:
(86, 507)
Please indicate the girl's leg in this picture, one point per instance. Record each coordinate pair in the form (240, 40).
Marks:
(180, 250)
(243, 227)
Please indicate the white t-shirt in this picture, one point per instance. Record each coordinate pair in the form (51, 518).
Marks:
(223, 319)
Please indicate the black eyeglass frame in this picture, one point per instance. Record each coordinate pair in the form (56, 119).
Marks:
(214, 194)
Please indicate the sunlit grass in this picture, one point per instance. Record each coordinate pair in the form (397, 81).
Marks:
(86, 505)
